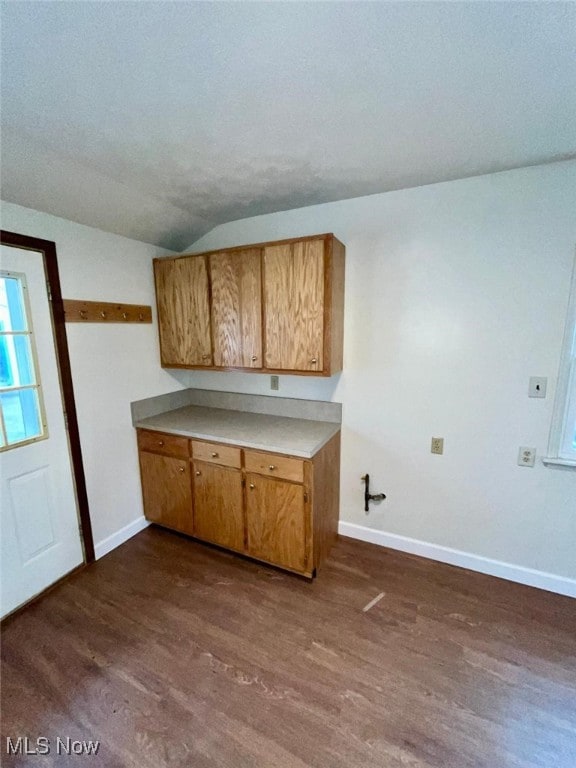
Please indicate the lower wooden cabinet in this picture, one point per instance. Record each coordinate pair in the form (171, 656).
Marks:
(277, 518)
(166, 491)
(280, 509)
(219, 505)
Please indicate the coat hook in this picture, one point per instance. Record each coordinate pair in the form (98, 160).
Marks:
(103, 315)
(83, 314)
(125, 315)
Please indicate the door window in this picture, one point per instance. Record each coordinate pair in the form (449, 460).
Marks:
(21, 407)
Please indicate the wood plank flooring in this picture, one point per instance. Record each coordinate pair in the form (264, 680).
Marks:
(172, 653)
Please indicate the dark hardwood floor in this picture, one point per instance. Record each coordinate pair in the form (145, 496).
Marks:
(175, 654)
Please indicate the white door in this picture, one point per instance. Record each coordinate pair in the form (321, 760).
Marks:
(39, 524)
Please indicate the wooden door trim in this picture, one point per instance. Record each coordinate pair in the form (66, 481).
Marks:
(56, 304)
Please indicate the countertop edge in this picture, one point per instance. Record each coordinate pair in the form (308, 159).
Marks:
(196, 435)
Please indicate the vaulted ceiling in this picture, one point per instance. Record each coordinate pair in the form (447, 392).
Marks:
(159, 120)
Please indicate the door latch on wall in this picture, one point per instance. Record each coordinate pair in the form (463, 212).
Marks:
(368, 497)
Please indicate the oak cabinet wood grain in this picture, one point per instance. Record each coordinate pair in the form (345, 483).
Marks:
(218, 505)
(294, 306)
(167, 491)
(274, 465)
(158, 442)
(216, 453)
(276, 519)
(182, 297)
(235, 279)
(275, 307)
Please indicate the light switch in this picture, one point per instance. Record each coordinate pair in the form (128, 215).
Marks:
(537, 386)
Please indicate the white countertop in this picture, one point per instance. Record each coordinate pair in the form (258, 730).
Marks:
(280, 434)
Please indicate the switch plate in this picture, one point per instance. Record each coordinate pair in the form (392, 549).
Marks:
(274, 382)
(437, 445)
(526, 457)
(537, 386)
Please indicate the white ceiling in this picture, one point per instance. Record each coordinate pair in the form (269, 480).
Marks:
(159, 120)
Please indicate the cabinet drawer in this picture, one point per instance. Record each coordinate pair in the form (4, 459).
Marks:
(167, 445)
(215, 453)
(273, 465)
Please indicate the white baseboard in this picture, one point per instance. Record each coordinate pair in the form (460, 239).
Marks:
(532, 578)
(111, 542)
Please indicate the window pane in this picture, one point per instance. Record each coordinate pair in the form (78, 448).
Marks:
(20, 410)
(6, 377)
(16, 363)
(12, 314)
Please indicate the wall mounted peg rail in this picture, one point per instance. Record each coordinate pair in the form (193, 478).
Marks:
(76, 311)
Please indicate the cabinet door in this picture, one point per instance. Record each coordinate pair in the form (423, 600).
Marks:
(183, 311)
(236, 284)
(218, 505)
(277, 525)
(294, 306)
(167, 491)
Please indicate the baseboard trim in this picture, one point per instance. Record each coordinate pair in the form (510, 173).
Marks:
(111, 542)
(561, 585)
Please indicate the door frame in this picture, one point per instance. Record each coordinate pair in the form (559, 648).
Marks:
(48, 250)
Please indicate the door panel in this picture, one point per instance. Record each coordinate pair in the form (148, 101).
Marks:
(167, 491)
(294, 306)
(40, 529)
(33, 509)
(237, 308)
(276, 521)
(218, 505)
(183, 311)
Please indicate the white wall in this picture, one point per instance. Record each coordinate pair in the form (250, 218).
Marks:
(456, 294)
(111, 364)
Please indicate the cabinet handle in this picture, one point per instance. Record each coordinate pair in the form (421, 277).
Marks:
(180, 469)
(160, 442)
(198, 473)
(254, 358)
(205, 357)
(214, 455)
(271, 467)
(314, 360)
(252, 486)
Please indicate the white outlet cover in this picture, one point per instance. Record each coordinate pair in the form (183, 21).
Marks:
(537, 386)
(526, 456)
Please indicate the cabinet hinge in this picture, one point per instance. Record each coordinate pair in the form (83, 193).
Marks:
(49, 291)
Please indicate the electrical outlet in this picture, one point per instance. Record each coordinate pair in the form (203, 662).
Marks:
(274, 382)
(526, 457)
(437, 445)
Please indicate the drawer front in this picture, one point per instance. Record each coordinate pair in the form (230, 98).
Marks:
(273, 465)
(214, 453)
(167, 445)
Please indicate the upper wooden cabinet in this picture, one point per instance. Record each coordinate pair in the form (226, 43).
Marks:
(237, 308)
(271, 307)
(294, 304)
(182, 296)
